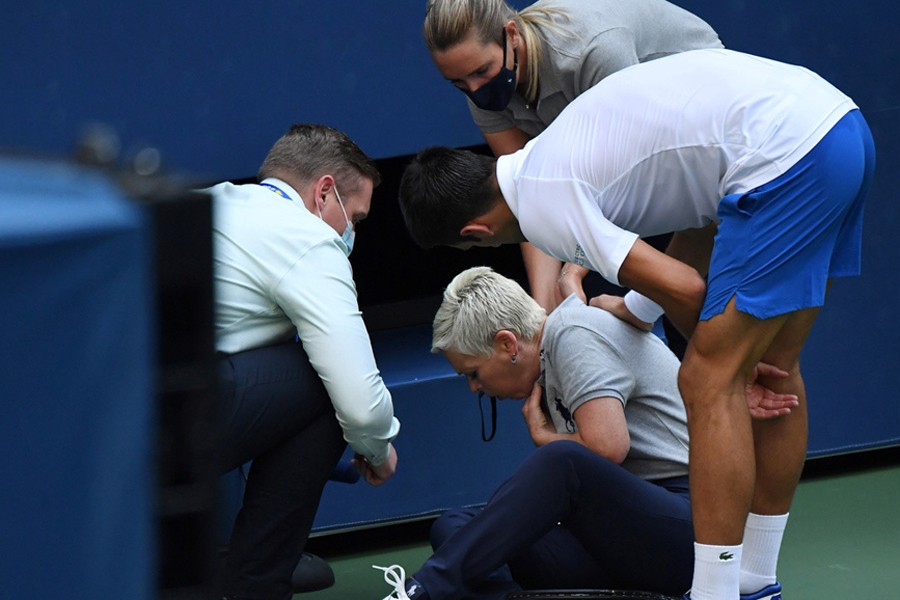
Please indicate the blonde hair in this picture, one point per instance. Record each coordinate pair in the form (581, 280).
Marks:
(448, 22)
(477, 304)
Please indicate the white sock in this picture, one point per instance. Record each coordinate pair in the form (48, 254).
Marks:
(762, 541)
(717, 571)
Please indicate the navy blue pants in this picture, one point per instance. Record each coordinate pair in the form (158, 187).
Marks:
(566, 519)
(277, 414)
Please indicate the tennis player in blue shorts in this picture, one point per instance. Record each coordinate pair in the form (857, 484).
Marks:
(760, 170)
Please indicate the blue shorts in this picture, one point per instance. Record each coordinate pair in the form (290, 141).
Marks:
(777, 245)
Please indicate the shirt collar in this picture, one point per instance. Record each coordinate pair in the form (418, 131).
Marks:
(284, 187)
(549, 80)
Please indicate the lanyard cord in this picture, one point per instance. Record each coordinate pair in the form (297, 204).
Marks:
(277, 190)
(485, 437)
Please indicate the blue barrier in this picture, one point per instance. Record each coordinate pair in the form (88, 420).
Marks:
(76, 386)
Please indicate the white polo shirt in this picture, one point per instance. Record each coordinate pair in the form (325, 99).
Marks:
(653, 148)
(280, 270)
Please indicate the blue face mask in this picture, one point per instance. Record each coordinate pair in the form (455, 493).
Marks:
(496, 93)
(349, 234)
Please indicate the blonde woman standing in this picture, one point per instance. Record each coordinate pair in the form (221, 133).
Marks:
(520, 69)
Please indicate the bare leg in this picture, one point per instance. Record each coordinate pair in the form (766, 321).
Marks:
(780, 444)
(737, 465)
(718, 362)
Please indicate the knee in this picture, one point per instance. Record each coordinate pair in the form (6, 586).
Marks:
(691, 377)
(704, 383)
(551, 459)
(557, 450)
(449, 523)
(565, 464)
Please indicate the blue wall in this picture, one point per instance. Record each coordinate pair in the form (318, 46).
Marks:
(213, 84)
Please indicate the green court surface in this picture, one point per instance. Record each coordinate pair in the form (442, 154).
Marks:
(842, 541)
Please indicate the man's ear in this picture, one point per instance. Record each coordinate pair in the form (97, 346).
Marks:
(323, 186)
(477, 230)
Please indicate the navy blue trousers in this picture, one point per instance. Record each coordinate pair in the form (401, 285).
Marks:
(277, 414)
(566, 519)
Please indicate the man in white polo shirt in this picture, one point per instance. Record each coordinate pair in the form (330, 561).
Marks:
(771, 160)
(298, 379)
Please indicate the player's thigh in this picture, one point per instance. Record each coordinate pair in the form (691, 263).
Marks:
(784, 351)
(730, 344)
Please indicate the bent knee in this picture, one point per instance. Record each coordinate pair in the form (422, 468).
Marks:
(552, 457)
(449, 523)
(704, 381)
(699, 372)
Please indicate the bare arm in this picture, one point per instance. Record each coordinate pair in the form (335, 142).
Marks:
(571, 281)
(601, 426)
(694, 246)
(676, 286)
(601, 423)
(506, 141)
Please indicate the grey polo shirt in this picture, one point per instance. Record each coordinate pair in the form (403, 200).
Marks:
(587, 353)
(600, 37)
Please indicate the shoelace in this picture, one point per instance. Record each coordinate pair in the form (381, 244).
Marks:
(391, 577)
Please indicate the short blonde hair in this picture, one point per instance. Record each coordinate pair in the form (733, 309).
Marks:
(477, 304)
(448, 22)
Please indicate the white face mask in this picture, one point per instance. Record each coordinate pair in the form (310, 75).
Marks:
(349, 235)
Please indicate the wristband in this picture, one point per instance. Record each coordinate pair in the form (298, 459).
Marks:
(643, 307)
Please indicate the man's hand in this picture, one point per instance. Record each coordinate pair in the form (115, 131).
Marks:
(539, 425)
(616, 305)
(763, 402)
(376, 475)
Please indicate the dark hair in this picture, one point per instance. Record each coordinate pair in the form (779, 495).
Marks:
(308, 151)
(442, 189)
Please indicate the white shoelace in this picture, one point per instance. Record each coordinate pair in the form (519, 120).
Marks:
(398, 580)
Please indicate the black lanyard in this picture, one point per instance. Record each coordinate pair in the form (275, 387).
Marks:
(485, 437)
